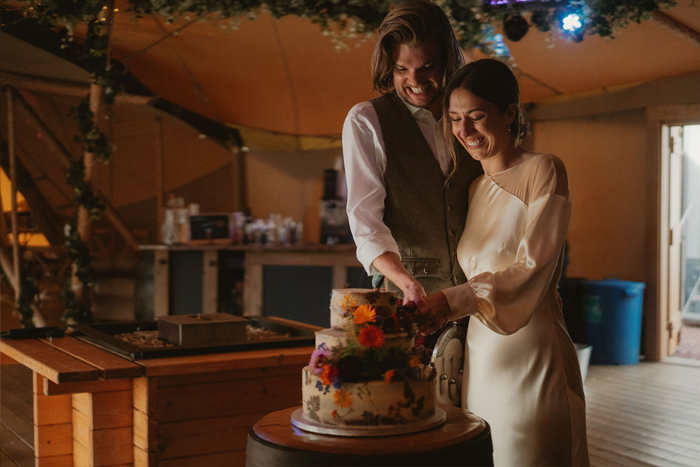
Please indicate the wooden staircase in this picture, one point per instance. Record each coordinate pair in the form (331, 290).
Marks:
(113, 244)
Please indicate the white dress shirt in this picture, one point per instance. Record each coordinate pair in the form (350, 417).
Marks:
(365, 163)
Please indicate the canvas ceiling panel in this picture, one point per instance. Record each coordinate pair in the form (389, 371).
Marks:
(327, 82)
(285, 76)
(639, 52)
(223, 74)
(186, 156)
(267, 74)
(19, 57)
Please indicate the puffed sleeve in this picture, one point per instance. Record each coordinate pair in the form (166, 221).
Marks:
(505, 300)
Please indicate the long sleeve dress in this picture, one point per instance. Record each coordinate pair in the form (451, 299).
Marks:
(521, 371)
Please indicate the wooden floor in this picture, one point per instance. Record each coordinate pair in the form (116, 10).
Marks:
(16, 416)
(638, 415)
(644, 415)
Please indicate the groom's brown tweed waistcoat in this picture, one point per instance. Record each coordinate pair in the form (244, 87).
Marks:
(426, 213)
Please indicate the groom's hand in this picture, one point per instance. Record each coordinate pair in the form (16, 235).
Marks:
(433, 313)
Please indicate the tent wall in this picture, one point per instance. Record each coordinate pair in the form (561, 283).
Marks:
(609, 148)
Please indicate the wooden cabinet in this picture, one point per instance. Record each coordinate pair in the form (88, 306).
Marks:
(289, 282)
(92, 407)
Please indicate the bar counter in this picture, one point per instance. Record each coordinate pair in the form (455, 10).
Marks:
(93, 407)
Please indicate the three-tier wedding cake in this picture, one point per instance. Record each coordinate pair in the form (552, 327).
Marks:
(366, 374)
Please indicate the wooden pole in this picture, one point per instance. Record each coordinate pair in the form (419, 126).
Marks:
(676, 26)
(65, 88)
(160, 177)
(96, 93)
(242, 186)
(9, 94)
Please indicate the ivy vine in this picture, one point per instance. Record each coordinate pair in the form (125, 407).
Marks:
(28, 290)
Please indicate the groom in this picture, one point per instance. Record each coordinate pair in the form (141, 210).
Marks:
(405, 206)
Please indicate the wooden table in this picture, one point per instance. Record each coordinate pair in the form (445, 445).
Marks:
(92, 407)
(463, 440)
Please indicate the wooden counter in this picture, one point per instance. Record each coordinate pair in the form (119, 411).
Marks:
(184, 279)
(92, 407)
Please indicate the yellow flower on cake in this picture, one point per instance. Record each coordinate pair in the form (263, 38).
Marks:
(364, 314)
(348, 302)
(342, 398)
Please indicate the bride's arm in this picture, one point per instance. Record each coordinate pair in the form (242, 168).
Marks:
(505, 300)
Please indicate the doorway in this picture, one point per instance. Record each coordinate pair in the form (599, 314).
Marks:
(684, 240)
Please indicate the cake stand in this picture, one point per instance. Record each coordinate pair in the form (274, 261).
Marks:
(300, 421)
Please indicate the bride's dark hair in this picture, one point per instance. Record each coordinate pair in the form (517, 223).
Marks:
(491, 80)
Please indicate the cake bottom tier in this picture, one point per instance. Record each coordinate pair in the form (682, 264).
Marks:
(367, 403)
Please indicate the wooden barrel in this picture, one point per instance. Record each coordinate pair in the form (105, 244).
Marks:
(464, 440)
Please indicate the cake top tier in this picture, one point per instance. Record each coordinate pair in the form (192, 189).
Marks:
(345, 302)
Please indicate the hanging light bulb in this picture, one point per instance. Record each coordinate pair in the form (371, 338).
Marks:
(515, 26)
(571, 22)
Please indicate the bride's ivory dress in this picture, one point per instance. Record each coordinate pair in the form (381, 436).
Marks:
(521, 371)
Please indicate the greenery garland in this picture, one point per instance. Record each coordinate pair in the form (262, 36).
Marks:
(73, 309)
(28, 290)
(474, 22)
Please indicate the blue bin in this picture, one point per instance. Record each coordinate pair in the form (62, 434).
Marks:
(613, 320)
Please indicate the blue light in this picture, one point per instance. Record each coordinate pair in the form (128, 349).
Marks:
(572, 22)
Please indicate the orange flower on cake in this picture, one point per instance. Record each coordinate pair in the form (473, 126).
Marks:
(364, 314)
(414, 362)
(372, 337)
(388, 376)
(342, 398)
(328, 374)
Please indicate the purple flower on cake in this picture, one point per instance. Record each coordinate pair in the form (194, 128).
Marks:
(319, 358)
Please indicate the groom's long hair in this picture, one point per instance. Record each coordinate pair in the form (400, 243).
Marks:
(413, 22)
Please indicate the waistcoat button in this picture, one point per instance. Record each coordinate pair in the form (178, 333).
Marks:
(452, 231)
(426, 270)
(449, 208)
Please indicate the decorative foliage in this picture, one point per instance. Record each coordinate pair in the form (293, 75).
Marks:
(473, 20)
(74, 310)
(363, 356)
(28, 290)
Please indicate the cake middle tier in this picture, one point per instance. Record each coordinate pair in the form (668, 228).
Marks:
(336, 338)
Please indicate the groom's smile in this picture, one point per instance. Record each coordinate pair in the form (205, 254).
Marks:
(418, 73)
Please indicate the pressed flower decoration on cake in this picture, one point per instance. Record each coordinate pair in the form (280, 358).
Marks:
(347, 368)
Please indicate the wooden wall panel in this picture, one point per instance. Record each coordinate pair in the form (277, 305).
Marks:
(198, 437)
(228, 398)
(145, 434)
(53, 440)
(65, 460)
(52, 423)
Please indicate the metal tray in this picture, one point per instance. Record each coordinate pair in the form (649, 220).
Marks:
(102, 335)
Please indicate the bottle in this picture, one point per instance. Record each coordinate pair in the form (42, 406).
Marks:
(169, 234)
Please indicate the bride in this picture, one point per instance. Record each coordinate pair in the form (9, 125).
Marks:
(521, 372)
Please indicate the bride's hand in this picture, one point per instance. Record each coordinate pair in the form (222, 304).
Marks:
(433, 314)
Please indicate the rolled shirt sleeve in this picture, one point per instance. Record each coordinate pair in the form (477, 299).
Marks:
(365, 163)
